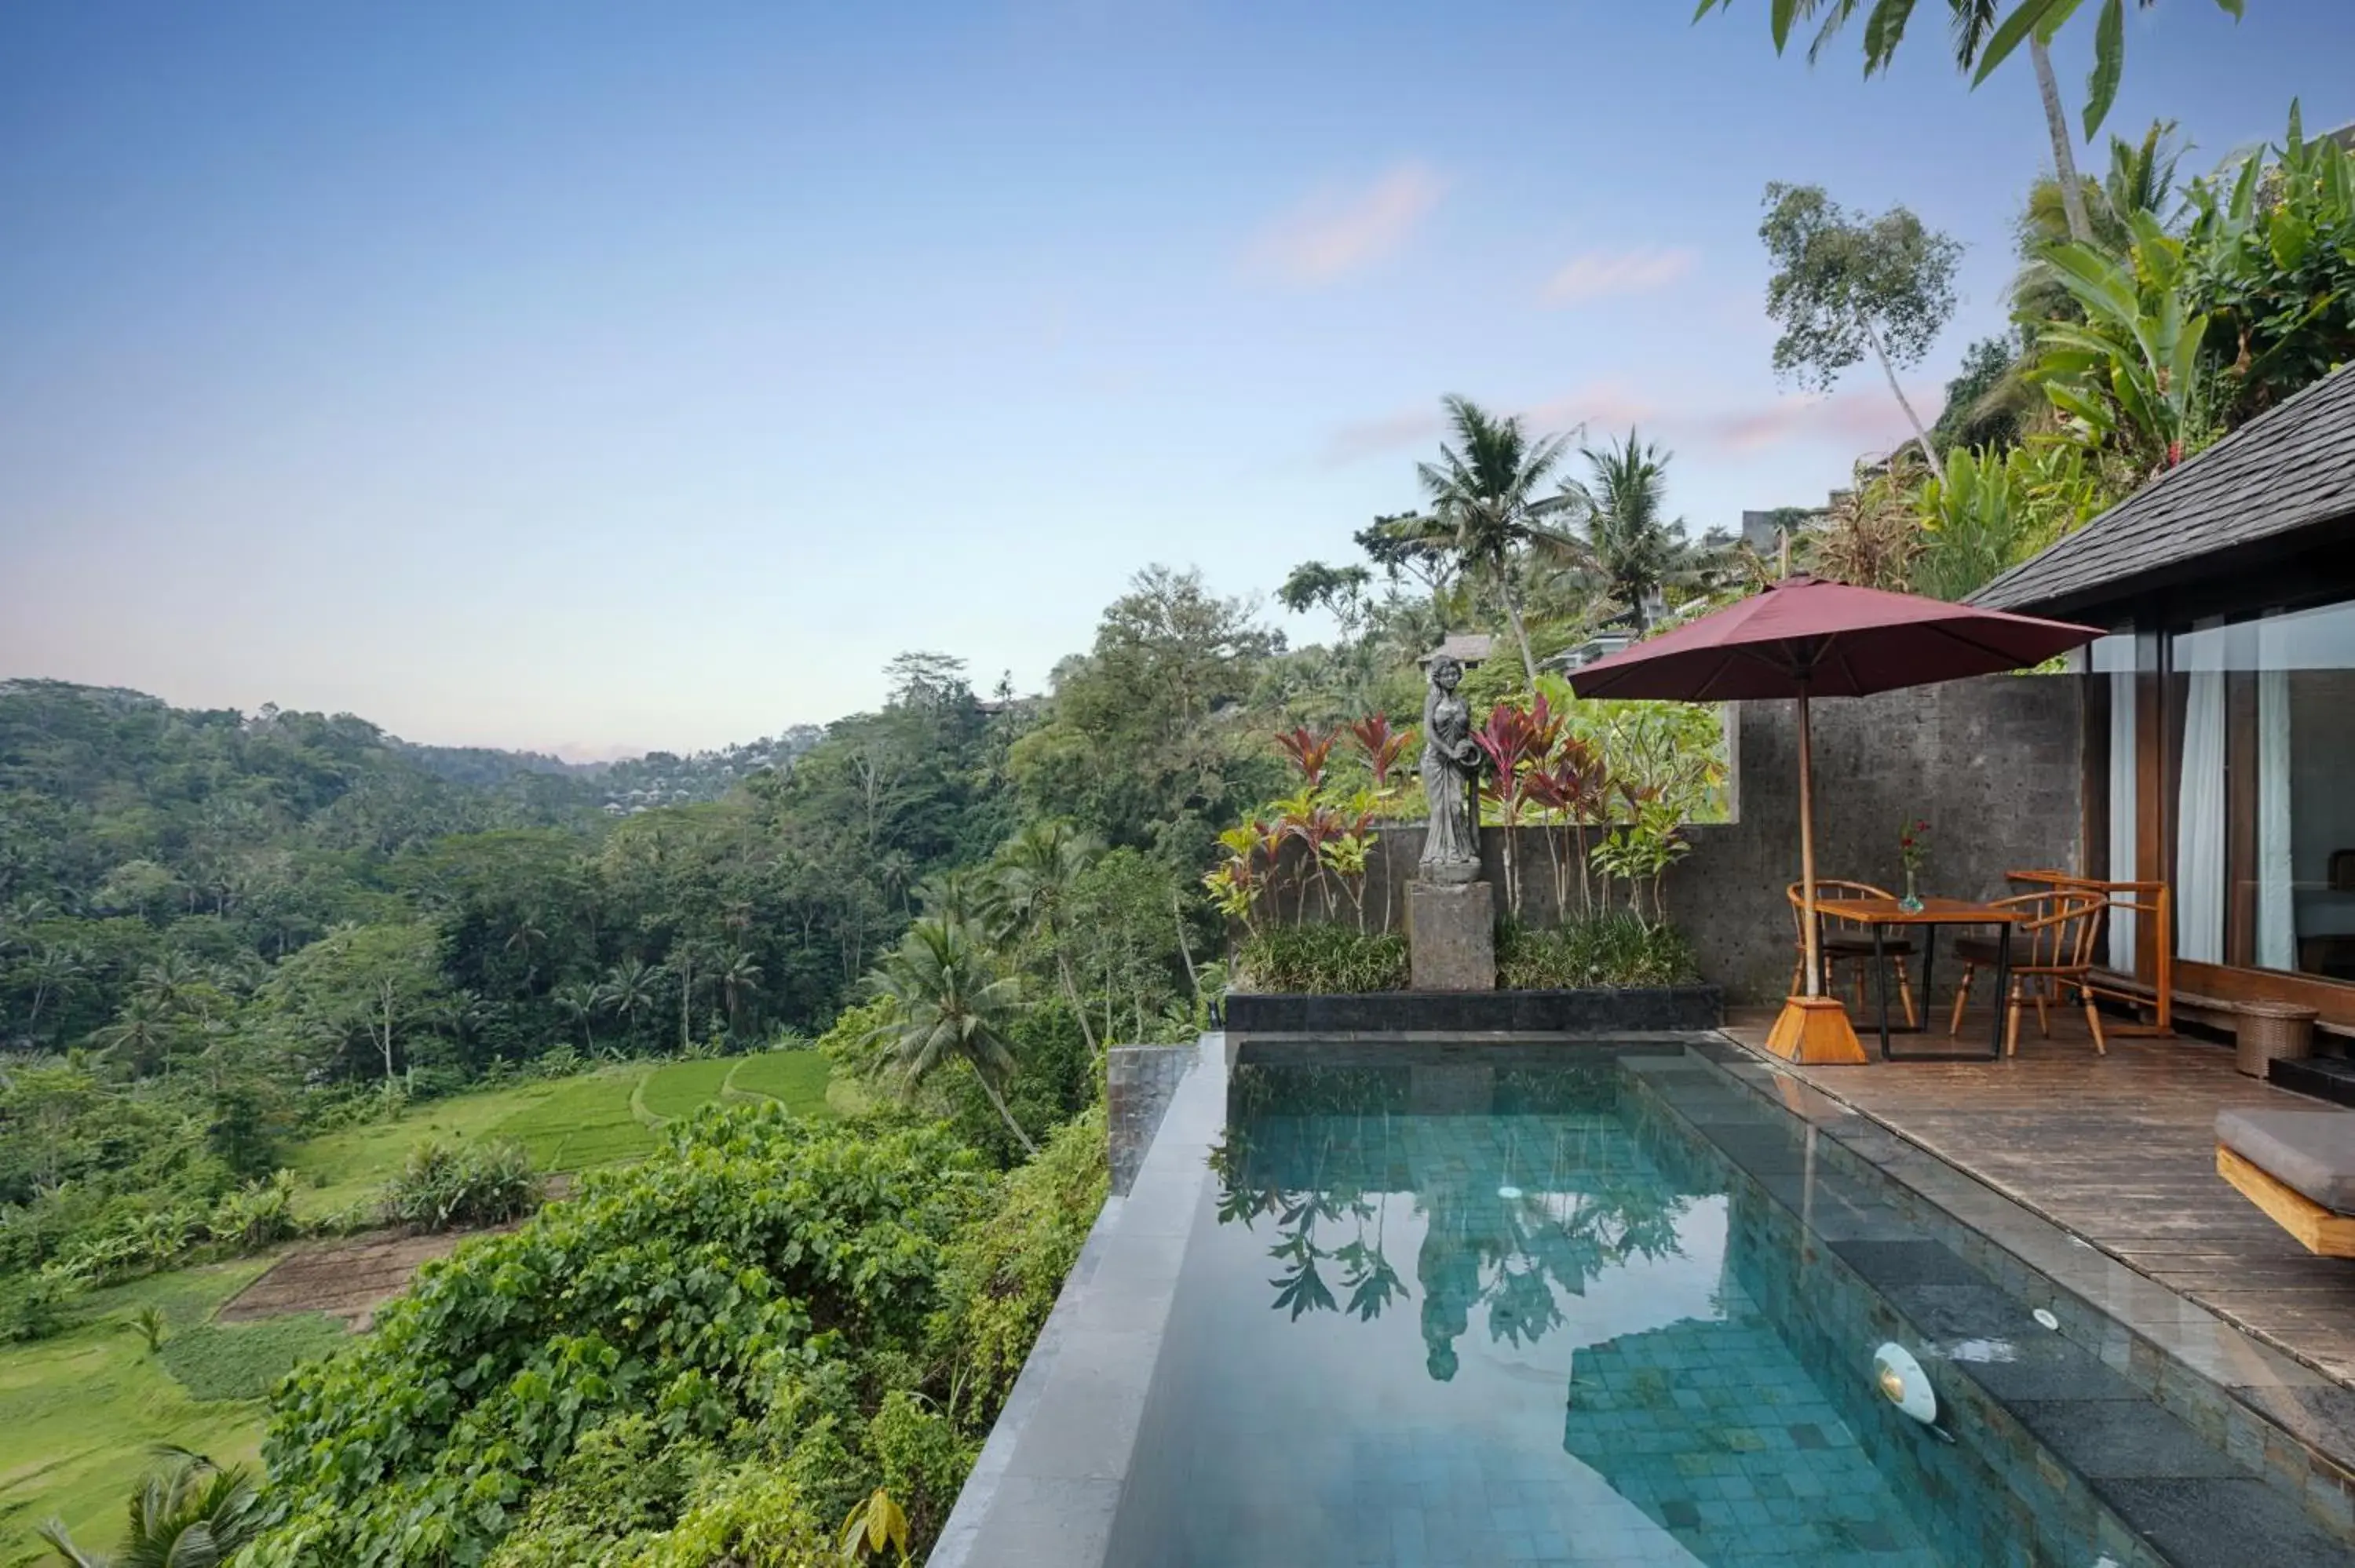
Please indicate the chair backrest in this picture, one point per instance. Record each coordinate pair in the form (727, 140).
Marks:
(1832, 892)
(2056, 929)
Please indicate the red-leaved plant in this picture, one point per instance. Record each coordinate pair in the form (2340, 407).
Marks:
(1385, 746)
(1309, 752)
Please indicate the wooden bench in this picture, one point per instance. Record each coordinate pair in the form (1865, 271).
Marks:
(2312, 1153)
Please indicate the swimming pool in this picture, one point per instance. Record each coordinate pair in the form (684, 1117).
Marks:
(1498, 1306)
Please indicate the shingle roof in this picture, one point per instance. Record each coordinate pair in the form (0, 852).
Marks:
(2290, 467)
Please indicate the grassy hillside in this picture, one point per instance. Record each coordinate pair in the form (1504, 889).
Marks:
(571, 1124)
(79, 1413)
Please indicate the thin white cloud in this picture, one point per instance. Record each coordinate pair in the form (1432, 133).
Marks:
(1387, 433)
(1601, 404)
(1599, 274)
(1336, 231)
(1853, 417)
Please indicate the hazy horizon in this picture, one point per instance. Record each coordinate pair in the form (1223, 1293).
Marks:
(599, 382)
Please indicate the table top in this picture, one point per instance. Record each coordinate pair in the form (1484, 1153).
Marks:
(1933, 911)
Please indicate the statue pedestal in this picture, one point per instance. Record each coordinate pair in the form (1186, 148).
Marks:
(1450, 935)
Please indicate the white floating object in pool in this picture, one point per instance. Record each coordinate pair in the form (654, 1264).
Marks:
(1899, 1377)
(1508, 1192)
(2046, 1318)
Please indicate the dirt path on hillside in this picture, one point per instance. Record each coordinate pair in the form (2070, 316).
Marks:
(348, 1279)
(352, 1278)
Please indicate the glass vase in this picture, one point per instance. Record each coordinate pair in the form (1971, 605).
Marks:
(1913, 899)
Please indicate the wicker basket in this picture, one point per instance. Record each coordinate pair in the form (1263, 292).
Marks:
(2271, 1031)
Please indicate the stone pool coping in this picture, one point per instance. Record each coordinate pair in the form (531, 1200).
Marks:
(1598, 1012)
(2262, 1406)
(1044, 1492)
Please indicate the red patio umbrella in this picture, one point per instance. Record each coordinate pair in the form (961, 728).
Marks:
(1806, 638)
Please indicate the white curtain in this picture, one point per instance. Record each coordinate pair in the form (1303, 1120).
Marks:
(2122, 813)
(2276, 913)
(2199, 809)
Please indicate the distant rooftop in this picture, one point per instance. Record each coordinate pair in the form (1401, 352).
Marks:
(1463, 647)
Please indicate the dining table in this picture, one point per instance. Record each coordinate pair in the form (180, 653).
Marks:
(1928, 915)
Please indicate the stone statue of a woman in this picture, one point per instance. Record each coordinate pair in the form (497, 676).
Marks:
(1450, 762)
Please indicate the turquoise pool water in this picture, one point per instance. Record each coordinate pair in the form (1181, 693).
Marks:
(1486, 1311)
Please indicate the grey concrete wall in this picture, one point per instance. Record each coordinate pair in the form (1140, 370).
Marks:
(1994, 765)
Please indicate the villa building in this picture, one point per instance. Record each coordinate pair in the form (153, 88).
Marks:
(2219, 746)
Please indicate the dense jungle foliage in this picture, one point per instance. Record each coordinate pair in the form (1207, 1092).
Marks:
(721, 1351)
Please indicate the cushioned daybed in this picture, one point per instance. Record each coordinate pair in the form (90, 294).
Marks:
(2299, 1166)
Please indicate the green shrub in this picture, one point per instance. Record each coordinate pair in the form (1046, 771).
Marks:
(713, 1290)
(245, 1360)
(1616, 950)
(446, 1186)
(1001, 1278)
(30, 1308)
(922, 1456)
(256, 1216)
(1322, 960)
(744, 1519)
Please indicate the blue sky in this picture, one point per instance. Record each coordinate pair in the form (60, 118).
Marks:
(605, 377)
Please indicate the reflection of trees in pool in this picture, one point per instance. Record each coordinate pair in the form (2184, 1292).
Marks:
(1255, 1090)
(1485, 1243)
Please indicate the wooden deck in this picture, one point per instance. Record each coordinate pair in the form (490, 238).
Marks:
(2119, 1151)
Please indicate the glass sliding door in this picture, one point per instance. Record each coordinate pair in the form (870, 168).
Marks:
(2264, 712)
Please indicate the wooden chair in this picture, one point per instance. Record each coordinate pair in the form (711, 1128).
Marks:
(1844, 947)
(2052, 952)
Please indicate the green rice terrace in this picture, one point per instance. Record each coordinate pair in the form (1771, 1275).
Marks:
(82, 1412)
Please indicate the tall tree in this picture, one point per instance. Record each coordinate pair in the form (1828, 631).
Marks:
(629, 990)
(580, 1001)
(1484, 505)
(1632, 546)
(948, 1003)
(1845, 285)
(373, 982)
(738, 979)
(1037, 870)
(1984, 37)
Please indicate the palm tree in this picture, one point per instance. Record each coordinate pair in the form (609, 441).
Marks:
(581, 1003)
(740, 977)
(1485, 506)
(173, 983)
(947, 1003)
(1037, 871)
(1629, 544)
(527, 937)
(1984, 36)
(189, 1513)
(629, 990)
(962, 893)
(54, 969)
(141, 1033)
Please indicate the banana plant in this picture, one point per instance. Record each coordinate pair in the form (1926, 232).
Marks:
(2273, 259)
(2130, 370)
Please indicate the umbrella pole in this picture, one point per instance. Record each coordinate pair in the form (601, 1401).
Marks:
(1813, 1027)
(1813, 932)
